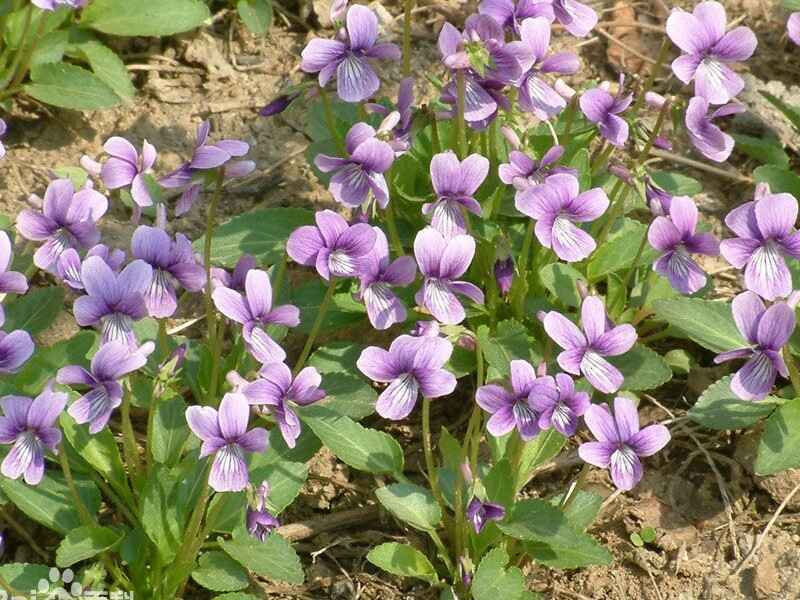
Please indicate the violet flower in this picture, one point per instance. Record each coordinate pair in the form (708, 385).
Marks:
(480, 513)
(384, 308)
(30, 425)
(11, 282)
(584, 350)
(601, 108)
(334, 247)
(658, 200)
(224, 434)
(504, 274)
(234, 280)
(412, 366)
(536, 95)
(3, 130)
(111, 362)
(441, 262)
(701, 35)
(260, 522)
(172, 262)
(69, 263)
(455, 184)
(557, 207)
(677, 238)
(706, 137)
(524, 172)
(512, 409)
(576, 17)
(281, 393)
(279, 104)
(558, 404)
(792, 29)
(16, 348)
(113, 301)
(400, 129)
(766, 236)
(51, 5)
(68, 220)
(481, 48)
(620, 443)
(766, 330)
(483, 99)
(354, 177)
(510, 14)
(254, 311)
(348, 58)
(127, 168)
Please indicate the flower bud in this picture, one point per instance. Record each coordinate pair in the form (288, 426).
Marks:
(541, 370)
(277, 106)
(467, 341)
(563, 89)
(466, 473)
(794, 299)
(338, 10)
(654, 100)
(465, 570)
(662, 142)
(622, 172)
(658, 200)
(541, 314)
(583, 288)
(504, 274)
(426, 329)
(511, 137)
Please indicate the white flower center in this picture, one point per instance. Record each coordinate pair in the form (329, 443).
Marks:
(116, 327)
(341, 264)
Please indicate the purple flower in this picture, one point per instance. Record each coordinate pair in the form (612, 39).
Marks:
(30, 426)
(676, 237)
(398, 122)
(792, 28)
(280, 104)
(280, 393)
(483, 98)
(172, 261)
(557, 207)
(524, 172)
(113, 301)
(658, 200)
(602, 108)
(511, 409)
(510, 14)
(127, 168)
(3, 129)
(577, 18)
(426, 329)
(412, 366)
(384, 308)
(584, 350)
(504, 274)
(709, 139)
(481, 48)
(334, 247)
(455, 184)
(766, 235)
(766, 330)
(536, 95)
(68, 220)
(348, 58)
(224, 434)
(234, 280)
(111, 362)
(69, 263)
(260, 522)
(480, 513)
(620, 443)
(558, 403)
(254, 311)
(701, 35)
(362, 171)
(441, 262)
(11, 282)
(52, 5)
(16, 348)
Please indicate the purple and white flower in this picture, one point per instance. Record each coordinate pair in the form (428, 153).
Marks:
(260, 522)
(3, 130)
(792, 29)
(524, 172)
(11, 282)
(336, 248)
(584, 350)
(557, 207)
(676, 237)
(766, 236)
(576, 17)
(455, 183)
(224, 434)
(603, 109)
(111, 362)
(127, 168)
(510, 14)
(558, 403)
(504, 274)
(348, 58)
(706, 137)
(483, 99)
(481, 48)
(620, 442)
(412, 366)
(235, 279)
(361, 173)
(68, 220)
(69, 263)
(708, 48)
(480, 513)
(766, 330)
(254, 310)
(51, 5)
(514, 408)
(30, 425)
(442, 262)
(16, 348)
(396, 124)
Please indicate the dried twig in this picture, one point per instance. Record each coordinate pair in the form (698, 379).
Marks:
(345, 518)
(701, 166)
(623, 45)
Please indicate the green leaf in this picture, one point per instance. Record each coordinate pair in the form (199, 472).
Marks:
(538, 451)
(361, 448)
(169, 431)
(582, 509)
(262, 233)
(335, 357)
(347, 394)
(403, 560)
(779, 179)
(552, 540)
(274, 558)
(160, 513)
(411, 504)
(779, 447)
(285, 478)
(50, 502)
(255, 14)
(144, 17)
(493, 581)
(85, 542)
(35, 311)
(719, 408)
(561, 281)
(24, 576)
(706, 322)
(643, 368)
(499, 483)
(108, 67)
(791, 112)
(768, 151)
(69, 86)
(218, 572)
(510, 342)
(236, 596)
(676, 184)
(619, 251)
(50, 48)
(343, 310)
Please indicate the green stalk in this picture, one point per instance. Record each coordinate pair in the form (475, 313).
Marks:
(23, 533)
(7, 85)
(185, 558)
(129, 446)
(636, 258)
(435, 141)
(460, 128)
(663, 52)
(794, 374)
(408, 4)
(323, 309)
(616, 197)
(330, 121)
(477, 414)
(581, 479)
(277, 283)
(521, 284)
(6, 587)
(163, 340)
(211, 217)
(430, 464)
(570, 117)
(394, 235)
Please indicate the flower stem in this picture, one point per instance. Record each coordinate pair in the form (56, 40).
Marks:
(663, 52)
(129, 446)
(635, 262)
(430, 465)
(521, 284)
(277, 282)
(184, 558)
(617, 199)
(570, 119)
(163, 340)
(435, 141)
(394, 235)
(323, 309)
(572, 493)
(330, 121)
(211, 217)
(408, 5)
(461, 91)
(794, 374)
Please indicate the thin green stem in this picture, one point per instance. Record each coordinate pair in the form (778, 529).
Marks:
(663, 52)
(116, 499)
(615, 197)
(330, 121)
(407, 6)
(7, 84)
(430, 464)
(570, 117)
(579, 481)
(460, 125)
(521, 284)
(394, 235)
(211, 217)
(475, 428)
(129, 446)
(6, 587)
(216, 363)
(312, 336)
(184, 558)
(662, 115)
(163, 340)
(635, 262)
(443, 554)
(794, 374)
(435, 141)
(277, 282)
